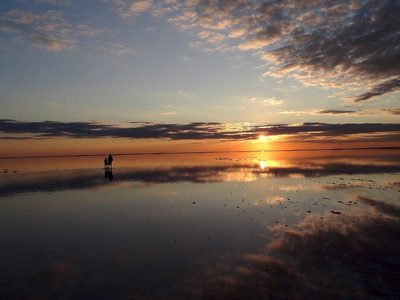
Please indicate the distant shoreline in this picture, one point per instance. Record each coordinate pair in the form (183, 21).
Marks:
(198, 152)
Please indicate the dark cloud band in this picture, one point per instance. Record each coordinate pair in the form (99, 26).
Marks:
(11, 129)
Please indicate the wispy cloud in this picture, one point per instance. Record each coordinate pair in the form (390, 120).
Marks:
(391, 111)
(129, 9)
(49, 30)
(50, 41)
(55, 2)
(169, 113)
(306, 132)
(266, 101)
(138, 7)
(294, 112)
(44, 30)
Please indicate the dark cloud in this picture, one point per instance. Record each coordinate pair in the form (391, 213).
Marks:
(12, 129)
(329, 130)
(329, 43)
(54, 129)
(335, 112)
(384, 88)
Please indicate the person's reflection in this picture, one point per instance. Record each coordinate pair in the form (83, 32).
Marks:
(108, 174)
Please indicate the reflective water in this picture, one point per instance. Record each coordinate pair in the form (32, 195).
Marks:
(286, 225)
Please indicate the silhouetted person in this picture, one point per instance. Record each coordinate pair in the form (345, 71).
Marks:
(110, 160)
(105, 162)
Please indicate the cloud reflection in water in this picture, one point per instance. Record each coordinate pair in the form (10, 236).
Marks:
(328, 256)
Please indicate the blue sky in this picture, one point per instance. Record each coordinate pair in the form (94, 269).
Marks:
(239, 61)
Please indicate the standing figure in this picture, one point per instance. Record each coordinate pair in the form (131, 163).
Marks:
(105, 162)
(110, 160)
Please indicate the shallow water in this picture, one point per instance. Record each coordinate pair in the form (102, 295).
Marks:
(286, 225)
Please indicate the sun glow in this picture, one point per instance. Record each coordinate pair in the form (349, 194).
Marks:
(261, 137)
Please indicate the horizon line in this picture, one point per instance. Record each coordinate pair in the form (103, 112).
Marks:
(201, 152)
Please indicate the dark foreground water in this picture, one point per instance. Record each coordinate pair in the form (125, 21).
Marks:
(290, 225)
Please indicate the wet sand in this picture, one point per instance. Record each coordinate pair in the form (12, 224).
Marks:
(237, 226)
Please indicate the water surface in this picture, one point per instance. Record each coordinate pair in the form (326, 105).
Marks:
(287, 225)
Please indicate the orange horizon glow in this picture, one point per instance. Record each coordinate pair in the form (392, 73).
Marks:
(69, 146)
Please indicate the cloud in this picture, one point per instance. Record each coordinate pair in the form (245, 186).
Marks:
(294, 112)
(50, 41)
(391, 111)
(306, 132)
(129, 9)
(383, 88)
(329, 44)
(43, 29)
(139, 7)
(266, 36)
(169, 113)
(55, 2)
(336, 112)
(267, 101)
(17, 16)
(49, 30)
(121, 49)
(85, 29)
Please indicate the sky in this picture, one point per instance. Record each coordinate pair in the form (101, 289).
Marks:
(196, 71)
